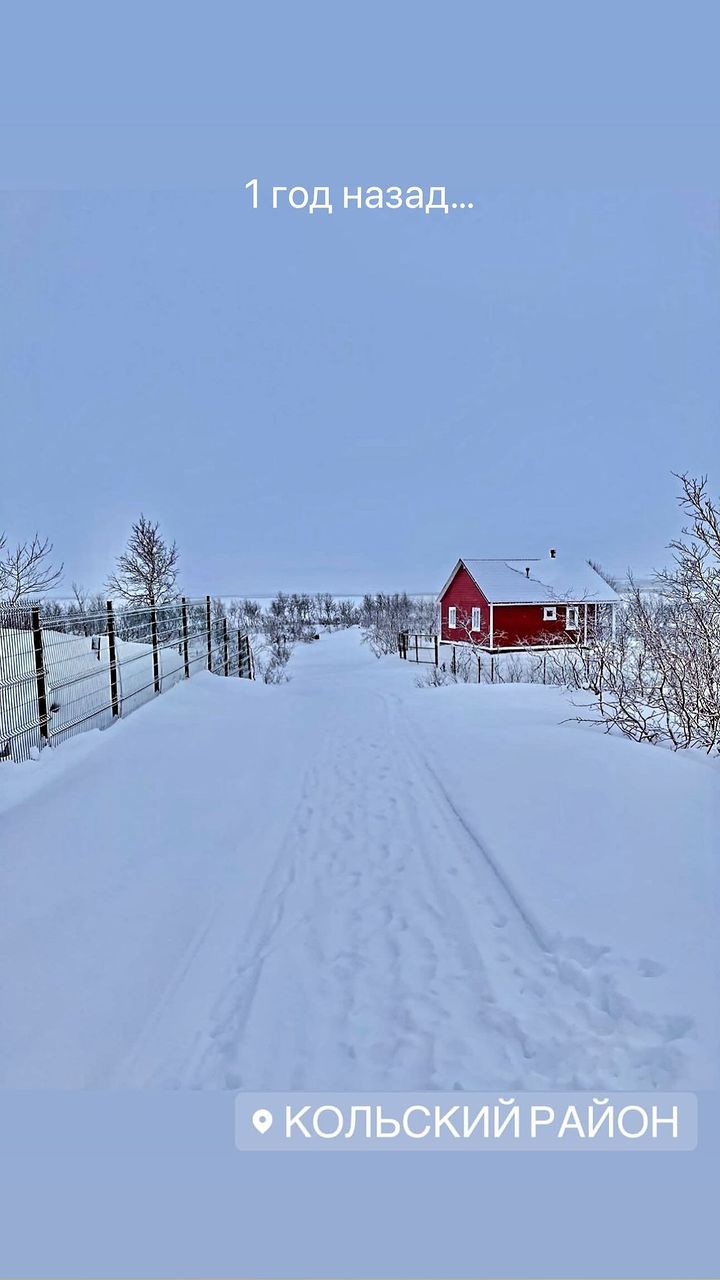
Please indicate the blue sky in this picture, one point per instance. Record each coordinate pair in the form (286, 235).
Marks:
(352, 401)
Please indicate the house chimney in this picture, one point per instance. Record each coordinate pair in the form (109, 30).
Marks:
(527, 570)
(553, 553)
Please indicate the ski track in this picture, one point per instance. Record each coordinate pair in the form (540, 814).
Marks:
(387, 951)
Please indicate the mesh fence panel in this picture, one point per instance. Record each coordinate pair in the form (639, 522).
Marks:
(61, 674)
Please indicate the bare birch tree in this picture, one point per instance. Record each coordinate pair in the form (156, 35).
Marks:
(27, 570)
(146, 571)
(658, 678)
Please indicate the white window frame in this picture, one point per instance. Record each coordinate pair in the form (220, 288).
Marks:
(550, 613)
(572, 617)
(476, 619)
(452, 617)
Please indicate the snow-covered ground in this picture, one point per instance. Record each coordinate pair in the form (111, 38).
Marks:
(351, 882)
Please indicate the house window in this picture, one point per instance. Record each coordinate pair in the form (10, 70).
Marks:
(549, 613)
(452, 617)
(572, 618)
(475, 623)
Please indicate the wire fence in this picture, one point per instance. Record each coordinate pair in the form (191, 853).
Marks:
(419, 647)
(62, 675)
(472, 664)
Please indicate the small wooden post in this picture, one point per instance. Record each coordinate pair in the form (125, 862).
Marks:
(112, 657)
(400, 644)
(545, 667)
(40, 675)
(437, 651)
(226, 650)
(479, 668)
(453, 667)
(251, 658)
(240, 651)
(492, 668)
(417, 651)
(185, 645)
(156, 655)
(208, 624)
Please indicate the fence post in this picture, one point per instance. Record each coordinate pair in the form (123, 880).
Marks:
(208, 623)
(112, 659)
(492, 668)
(185, 645)
(400, 644)
(545, 667)
(40, 675)
(240, 649)
(417, 651)
(226, 651)
(454, 662)
(156, 655)
(437, 651)
(479, 669)
(251, 659)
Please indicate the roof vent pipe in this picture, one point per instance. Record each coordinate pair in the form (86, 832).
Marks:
(527, 570)
(553, 553)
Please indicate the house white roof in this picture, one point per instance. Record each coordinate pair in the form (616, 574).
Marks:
(506, 582)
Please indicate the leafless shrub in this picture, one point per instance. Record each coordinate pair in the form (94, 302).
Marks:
(245, 615)
(433, 677)
(383, 617)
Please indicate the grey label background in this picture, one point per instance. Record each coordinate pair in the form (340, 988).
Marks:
(393, 1105)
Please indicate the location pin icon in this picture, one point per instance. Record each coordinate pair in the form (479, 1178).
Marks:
(262, 1120)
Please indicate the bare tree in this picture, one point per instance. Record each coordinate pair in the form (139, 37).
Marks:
(382, 617)
(657, 679)
(246, 615)
(26, 570)
(83, 610)
(147, 570)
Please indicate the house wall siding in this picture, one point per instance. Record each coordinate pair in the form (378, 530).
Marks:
(517, 624)
(463, 593)
(513, 624)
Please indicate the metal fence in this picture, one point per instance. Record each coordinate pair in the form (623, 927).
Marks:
(420, 647)
(473, 665)
(60, 675)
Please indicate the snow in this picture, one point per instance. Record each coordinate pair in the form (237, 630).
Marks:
(506, 582)
(351, 882)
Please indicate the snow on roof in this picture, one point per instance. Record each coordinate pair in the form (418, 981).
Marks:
(506, 582)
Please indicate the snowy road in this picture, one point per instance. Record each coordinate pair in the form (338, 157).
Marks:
(275, 888)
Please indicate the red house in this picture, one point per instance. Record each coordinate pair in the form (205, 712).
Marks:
(516, 604)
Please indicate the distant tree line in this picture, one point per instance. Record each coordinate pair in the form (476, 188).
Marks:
(655, 678)
(287, 620)
(382, 617)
